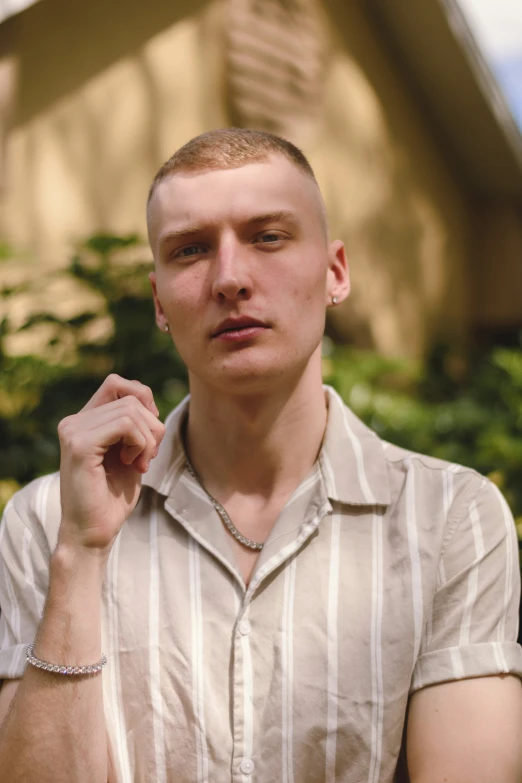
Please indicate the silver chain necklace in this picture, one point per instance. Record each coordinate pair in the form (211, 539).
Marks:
(223, 514)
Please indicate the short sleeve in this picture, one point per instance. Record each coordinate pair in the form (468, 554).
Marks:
(24, 580)
(472, 627)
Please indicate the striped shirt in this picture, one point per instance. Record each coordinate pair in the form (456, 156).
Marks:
(386, 571)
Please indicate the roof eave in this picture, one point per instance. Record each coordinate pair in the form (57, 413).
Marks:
(9, 8)
(452, 78)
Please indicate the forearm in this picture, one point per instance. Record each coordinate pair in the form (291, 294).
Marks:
(55, 730)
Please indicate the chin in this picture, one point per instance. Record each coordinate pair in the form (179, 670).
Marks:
(254, 377)
(244, 381)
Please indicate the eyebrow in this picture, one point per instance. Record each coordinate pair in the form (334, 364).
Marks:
(180, 234)
(267, 217)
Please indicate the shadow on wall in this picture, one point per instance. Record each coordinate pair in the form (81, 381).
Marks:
(97, 113)
(392, 196)
(108, 91)
(81, 40)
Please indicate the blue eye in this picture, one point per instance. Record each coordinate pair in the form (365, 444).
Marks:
(269, 239)
(191, 250)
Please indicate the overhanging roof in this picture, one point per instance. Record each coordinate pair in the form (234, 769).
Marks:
(447, 70)
(11, 7)
(451, 77)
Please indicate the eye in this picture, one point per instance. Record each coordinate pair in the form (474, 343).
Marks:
(269, 238)
(189, 251)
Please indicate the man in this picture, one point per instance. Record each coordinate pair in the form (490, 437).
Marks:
(273, 586)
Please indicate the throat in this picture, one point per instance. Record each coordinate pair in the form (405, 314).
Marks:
(257, 446)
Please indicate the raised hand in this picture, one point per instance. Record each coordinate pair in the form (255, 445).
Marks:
(105, 449)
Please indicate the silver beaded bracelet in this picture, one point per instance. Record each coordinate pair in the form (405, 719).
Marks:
(51, 667)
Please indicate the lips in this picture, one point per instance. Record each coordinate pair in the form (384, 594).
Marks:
(237, 324)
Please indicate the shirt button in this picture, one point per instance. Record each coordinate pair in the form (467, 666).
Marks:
(246, 766)
(244, 627)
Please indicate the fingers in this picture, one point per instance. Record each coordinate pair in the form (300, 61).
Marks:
(90, 433)
(132, 452)
(115, 387)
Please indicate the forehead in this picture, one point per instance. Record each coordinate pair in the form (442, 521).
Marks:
(230, 195)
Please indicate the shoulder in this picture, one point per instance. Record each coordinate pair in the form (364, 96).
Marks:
(458, 490)
(358, 456)
(35, 508)
(401, 459)
(396, 455)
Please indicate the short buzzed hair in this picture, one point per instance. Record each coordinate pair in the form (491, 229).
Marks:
(229, 148)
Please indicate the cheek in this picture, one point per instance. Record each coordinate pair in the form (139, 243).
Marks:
(309, 290)
(301, 279)
(181, 295)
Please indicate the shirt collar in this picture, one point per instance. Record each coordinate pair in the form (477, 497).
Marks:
(352, 457)
(166, 468)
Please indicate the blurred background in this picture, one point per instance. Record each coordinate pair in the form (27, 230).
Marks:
(410, 113)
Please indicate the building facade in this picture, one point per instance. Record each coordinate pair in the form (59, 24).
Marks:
(417, 155)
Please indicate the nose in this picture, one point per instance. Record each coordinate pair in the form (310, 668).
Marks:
(232, 278)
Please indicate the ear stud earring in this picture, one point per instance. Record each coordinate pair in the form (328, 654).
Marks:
(334, 300)
(166, 328)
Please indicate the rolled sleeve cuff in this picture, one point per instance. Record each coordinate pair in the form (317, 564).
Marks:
(13, 662)
(461, 663)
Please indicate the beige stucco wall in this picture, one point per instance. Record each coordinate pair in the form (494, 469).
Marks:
(497, 278)
(105, 97)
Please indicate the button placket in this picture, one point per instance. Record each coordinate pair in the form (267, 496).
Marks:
(241, 696)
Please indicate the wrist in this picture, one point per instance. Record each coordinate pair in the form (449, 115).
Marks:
(73, 548)
(78, 563)
(70, 631)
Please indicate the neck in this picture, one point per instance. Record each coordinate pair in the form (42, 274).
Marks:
(260, 444)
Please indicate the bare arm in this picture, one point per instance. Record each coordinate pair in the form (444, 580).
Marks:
(7, 693)
(468, 731)
(55, 729)
(53, 717)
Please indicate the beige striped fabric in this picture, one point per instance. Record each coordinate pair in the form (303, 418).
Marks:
(386, 572)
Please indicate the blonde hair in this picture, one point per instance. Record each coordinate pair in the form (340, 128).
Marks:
(229, 148)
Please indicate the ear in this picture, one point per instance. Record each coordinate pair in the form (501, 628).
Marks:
(338, 278)
(161, 319)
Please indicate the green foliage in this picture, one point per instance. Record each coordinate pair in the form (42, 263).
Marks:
(36, 391)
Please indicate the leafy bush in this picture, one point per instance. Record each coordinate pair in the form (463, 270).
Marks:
(37, 391)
